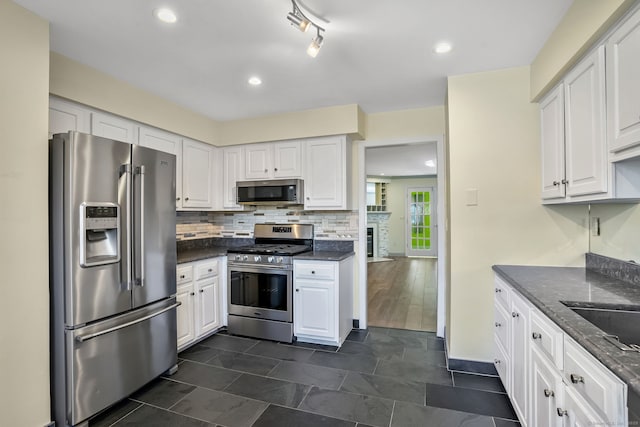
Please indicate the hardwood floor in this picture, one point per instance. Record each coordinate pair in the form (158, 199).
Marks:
(402, 293)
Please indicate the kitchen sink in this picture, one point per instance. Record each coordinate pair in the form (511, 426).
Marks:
(621, 326)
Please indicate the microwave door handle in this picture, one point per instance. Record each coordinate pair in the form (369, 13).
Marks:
(126, 245)
(140, 170)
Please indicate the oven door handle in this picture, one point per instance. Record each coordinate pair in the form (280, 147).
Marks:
(260, 266)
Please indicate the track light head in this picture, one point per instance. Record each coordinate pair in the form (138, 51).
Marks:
(299, 22)
(315, 46)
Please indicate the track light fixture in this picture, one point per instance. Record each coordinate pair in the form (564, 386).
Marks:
(299, 20)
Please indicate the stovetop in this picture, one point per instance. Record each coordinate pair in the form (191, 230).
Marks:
(271, 249)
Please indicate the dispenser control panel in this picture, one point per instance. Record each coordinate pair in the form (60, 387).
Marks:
(99, 234)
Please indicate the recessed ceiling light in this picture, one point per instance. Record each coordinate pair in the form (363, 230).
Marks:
(165, 15)
(442, 47)
(255, 81)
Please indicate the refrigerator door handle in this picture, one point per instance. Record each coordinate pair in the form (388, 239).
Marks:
(140, 171)
(128, 240)
(83, 338)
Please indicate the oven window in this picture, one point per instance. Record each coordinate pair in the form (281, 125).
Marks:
(263, 290)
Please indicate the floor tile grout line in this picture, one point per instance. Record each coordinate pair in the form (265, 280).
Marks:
(127, 414)
(184, 397)
(175, 412)
(343, 380)
(393, 409)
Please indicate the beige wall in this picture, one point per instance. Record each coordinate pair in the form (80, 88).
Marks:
(397, 205)
(619, 231)
(405, 124)
(494, 147)
(582, 25)
(24, 307)
(77, 82)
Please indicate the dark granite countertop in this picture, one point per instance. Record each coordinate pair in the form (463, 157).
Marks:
(325, 255)
(547, 287)
(197, 254)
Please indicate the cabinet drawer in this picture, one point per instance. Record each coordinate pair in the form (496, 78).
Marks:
(502, 327)
(184, 273)
(503, 296)
(206, 269)
(547, 338)
(594, 382)
(323, 271)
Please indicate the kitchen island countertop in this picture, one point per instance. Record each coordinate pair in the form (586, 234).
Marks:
(324, 255)
(548, 287)
(198, 254)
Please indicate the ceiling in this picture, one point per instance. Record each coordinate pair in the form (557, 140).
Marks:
(402, 160)
(376, 53)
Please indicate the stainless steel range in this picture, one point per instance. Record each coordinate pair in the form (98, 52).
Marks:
(260, 279)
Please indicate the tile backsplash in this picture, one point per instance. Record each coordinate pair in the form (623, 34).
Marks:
(335, 225)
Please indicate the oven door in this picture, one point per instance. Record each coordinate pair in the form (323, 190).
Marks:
(261, 292)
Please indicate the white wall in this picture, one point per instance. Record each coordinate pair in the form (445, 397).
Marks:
(24, 307)
(494, 147)
(397, 204)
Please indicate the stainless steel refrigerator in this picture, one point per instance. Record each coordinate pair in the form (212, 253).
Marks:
(113, 271)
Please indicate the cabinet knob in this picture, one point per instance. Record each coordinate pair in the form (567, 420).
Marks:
(275, 169)
(498, 290)
(536, 335)
(307, 197)
(548, 393)
(561, 412)
(201, 290)
(297, 290)
(266, 170)
(186, 198)
(177, 199)
(496, 361)
(313, 272)
(182, 276)
(210, 270)
(576, 379)
(514, 314)
(193, 293)
(498, 324)
(556, 183)
(564, 181)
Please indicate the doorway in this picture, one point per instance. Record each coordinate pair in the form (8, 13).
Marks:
(436, 287)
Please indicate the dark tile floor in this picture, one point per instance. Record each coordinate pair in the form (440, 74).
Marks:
(380, 377)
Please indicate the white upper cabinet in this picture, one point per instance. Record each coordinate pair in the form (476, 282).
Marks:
(552, 133)
(169, 143)
(585, 136)
(573, 122)
(65, 116)
(327, 181)
(198, 161)
(232, 172)
(273, 160)
(623, 85)
(113, 127)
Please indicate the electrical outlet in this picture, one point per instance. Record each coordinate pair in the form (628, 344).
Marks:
(595, 226)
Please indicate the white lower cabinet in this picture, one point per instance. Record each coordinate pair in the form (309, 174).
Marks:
(550, 379)
(323, 300)
(198, 289)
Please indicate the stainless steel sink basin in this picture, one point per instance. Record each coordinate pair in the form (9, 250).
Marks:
(621, 326)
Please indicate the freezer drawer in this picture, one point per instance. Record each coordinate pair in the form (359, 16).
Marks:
(110, 360)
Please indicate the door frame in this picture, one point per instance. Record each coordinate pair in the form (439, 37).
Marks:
(441, 223)
(433, 250)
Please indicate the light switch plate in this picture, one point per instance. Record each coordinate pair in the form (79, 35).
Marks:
(472, 197)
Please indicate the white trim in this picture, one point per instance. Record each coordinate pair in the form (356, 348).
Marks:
(441, 223)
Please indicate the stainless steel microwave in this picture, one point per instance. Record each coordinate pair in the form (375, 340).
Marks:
(276, 192)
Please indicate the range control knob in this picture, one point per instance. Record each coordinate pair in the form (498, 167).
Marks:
(257, 258)
(270, 259)
(280, 259)
(238, 257)
(246, 258)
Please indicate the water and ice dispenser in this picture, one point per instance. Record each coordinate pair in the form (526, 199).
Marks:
(99, 234)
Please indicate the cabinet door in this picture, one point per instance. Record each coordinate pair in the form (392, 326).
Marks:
(112, 127)
(197, 174)
(168, 143)
(546, 392)
(579, 413)
(325, 174)
(185, 315)
(520, 354)
(314, 309)
(287, 159)
(585, 136)
(552, 144)
(623, 85)
(232, 172)
(65, 116)
(258, 162)
(208, 317)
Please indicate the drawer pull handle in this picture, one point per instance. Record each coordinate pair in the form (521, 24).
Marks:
(193, 293)
(182, 276)
(201, 290)
(576, 379)
(548, 393)
(496, 361)
(498, 324)
(498, 290)
(514, 314)
(313, 272)
(536, 336)
(561, 412)
(210, 270)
